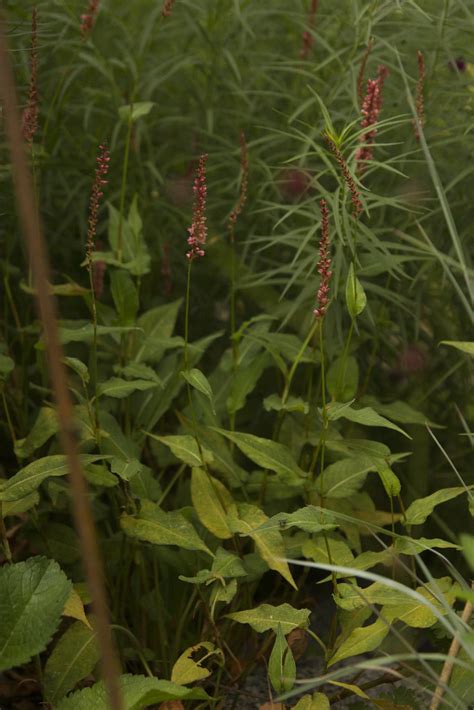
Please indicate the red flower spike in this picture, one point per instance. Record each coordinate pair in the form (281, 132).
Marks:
(198, 229)
(167, 8)
(30, 114)
(97, 194)
(324, 263)
(371, 108)
(89, 17)
(244, 167)
(307, 37)
(419, 99)
(348, 179)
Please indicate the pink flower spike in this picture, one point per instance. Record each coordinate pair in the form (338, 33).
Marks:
(198, 229)
(371, 108)
(324, 263)
(167, 8)
(307, 37)
(97, 194)
(89, 17)
(30, 114)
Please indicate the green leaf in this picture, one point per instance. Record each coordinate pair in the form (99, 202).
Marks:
(245, 380)
(361, 640)
(390, 480)
(410, 546)
(400, 412)
(118, 388)
(7, 365)
(30, 477)
(318, 701)
(343, 378)
(132, 112)
(220, 594)
(16, 507)
(351, 596)
(137, 370)
(365, 416)
(160, 528)
(74, 608)
(199, 381)
(226, 565)
(126, 469)
(266, 617)
(268, 454)
(61, 543)
(125, 296)
(138, 692)
(356, 299)
(293, 404)
(73, 658)
(187, 669)
(269, 543)
(344, 478)
(185, 448)
(317, 549)
(467, 542)
(78, 367)
(309, 519)
(45, 426)
(421, 509)
(156, 328)
(145, 486)
(32, 599)
(464, 345)
(85, 333)
(211, 501)
(281, 664)
(126, 237)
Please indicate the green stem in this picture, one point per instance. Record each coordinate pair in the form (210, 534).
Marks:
(8, 418)
(131, 636)
(124, 185)
(94, 352)
(186, 316)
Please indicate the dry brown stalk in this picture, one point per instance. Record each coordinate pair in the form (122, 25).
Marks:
(47, 312)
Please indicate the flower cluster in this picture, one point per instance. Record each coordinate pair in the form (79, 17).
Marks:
(371, 108)
(89, 17)
(101, 171)
(167, 8)
(308, 39)
(198, 229)
(348, 179)
(244, 166)
(419, 100)
(30, 114)
(324, 263)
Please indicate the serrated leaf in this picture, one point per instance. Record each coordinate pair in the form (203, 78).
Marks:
(365, 416)
(137, 692)
(160, 528)
(187, 669)
(119, 388)
(281, 664)
(132, 112)
(30, 477)
(73, 658)
(269, 543)
(421, 509)
(45, 426)
(266, 617)
(32, 599)
(211, 500)
(268, 454)
(185, 448)
(356, 299)
(74, 608)
(361, 640)
(199, 381)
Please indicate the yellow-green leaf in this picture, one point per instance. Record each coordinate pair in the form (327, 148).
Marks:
(74, 608)
(361, 640)
(189, 670)
(266, 617)
(211, 500)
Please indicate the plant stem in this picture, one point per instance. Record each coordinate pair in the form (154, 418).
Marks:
(123, 186)
(186, 317)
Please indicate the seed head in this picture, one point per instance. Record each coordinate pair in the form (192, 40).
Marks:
(167, 8)
(198, 229)
(371, 108)
(30, 114)
(348, 179)
(324, 263)
(419, 99)
(360, 75)
(307, 37)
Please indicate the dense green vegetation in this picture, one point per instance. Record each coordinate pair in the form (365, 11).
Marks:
(257, 216)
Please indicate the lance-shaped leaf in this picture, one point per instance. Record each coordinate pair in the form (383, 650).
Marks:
(269, 543)
(160, 528)
(45, 426)
(281, 664)
(119, 388)
(32, 599)
(309, 519)
(211, 500)
(344, 478)
(365, 416)
(268, 454)
(199, 382)
(137, 692)
(27, 479)
(185, 448)
(266, 617)
(361, 640)
(421, 509)
(74, 657)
